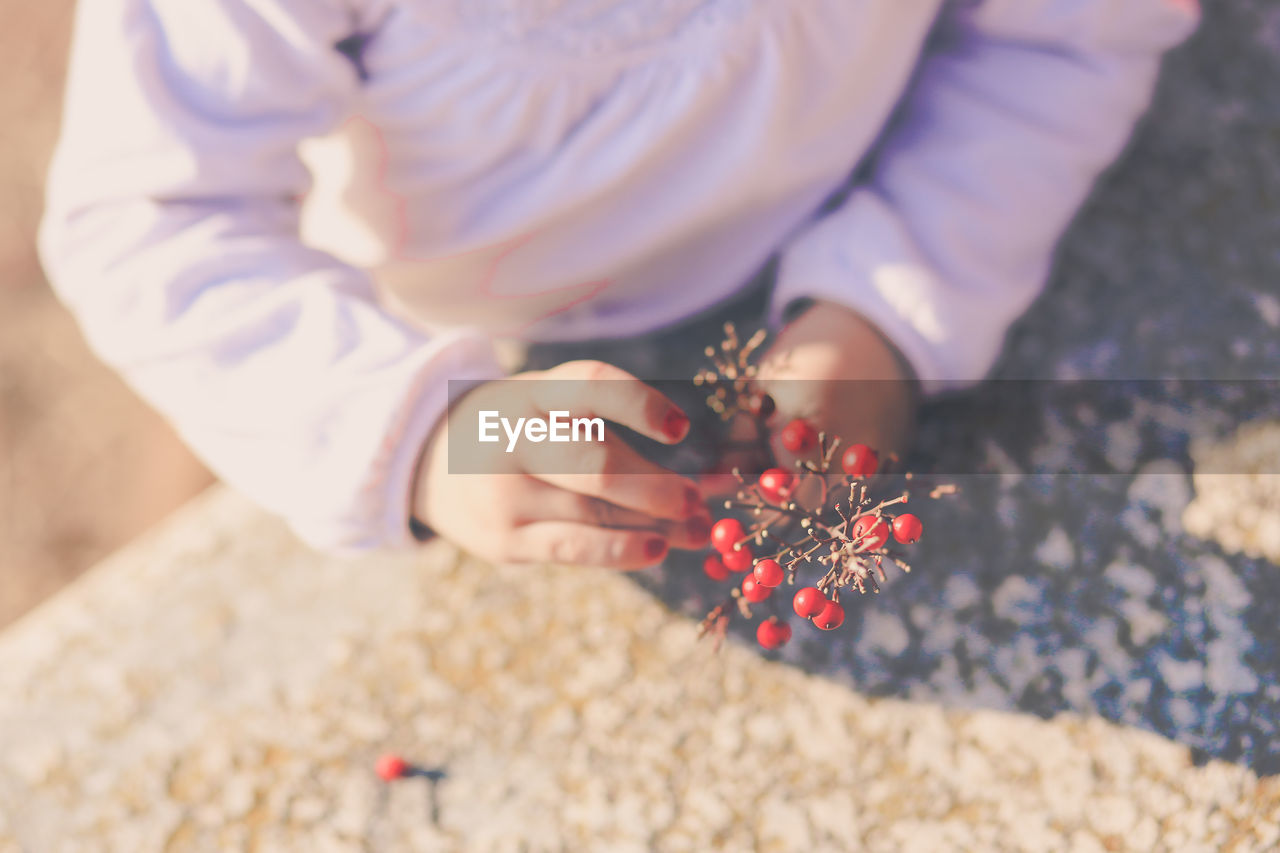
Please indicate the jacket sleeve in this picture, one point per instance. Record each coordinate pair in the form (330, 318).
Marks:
(1017, 107)
(171, 231)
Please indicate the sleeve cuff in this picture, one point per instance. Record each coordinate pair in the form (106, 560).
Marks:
(862, 258)
(465, 362)
(381, 516)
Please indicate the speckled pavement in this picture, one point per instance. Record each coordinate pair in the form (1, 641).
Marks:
(1077, 663)
(215, 687)
(1086, 593)
(1158, 339)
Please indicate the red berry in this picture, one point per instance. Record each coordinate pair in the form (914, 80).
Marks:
(738, 561)
(830, 618)
(768, 573)
(391, 767)
(772, 634)
(775, 484)
(754, 592)
(809, 602)
(725, 533)
(715, 568)
(870, 533)
(799, 436)
(907, 528)
(859, 461)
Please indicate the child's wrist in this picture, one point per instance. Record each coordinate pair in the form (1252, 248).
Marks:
(435, 447)
(848, 327)
(834, 344)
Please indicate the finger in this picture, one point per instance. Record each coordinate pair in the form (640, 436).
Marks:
(585, 545)
(744, 451)
(717, 484)
(550, 503)
(720, 481)
(598, 389)
(691, 534)
(614, 472)
(553, 504)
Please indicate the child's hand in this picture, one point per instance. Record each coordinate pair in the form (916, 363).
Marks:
(624, 512)
(830, 342)
(804, 371)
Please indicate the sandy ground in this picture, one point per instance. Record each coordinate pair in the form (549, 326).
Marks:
(84, 465)
(154, 707)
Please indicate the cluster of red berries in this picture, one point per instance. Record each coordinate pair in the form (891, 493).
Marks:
(799, 519)
(855, 538)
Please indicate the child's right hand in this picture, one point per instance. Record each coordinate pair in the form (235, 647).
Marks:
(617, 510)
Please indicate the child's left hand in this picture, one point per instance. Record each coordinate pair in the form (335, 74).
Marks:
(808, 371)
(857, 385)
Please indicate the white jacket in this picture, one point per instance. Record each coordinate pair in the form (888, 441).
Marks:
(549, 169)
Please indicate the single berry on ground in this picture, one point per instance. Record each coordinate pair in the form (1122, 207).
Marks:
(809, 602)
(772, 633)
(799, 436)
(859, 461)
(831, 617)
(391, 767)
(907, 528)
(726, 533)
(769, 573)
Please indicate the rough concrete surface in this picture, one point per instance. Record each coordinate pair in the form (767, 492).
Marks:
(1240, 509)
(216, 687)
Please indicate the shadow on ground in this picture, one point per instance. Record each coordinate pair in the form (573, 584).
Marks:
(1043, 592)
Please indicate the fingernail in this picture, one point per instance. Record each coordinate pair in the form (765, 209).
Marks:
(655, 548)
(675, 424)
(699, 528)
(693, 503)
